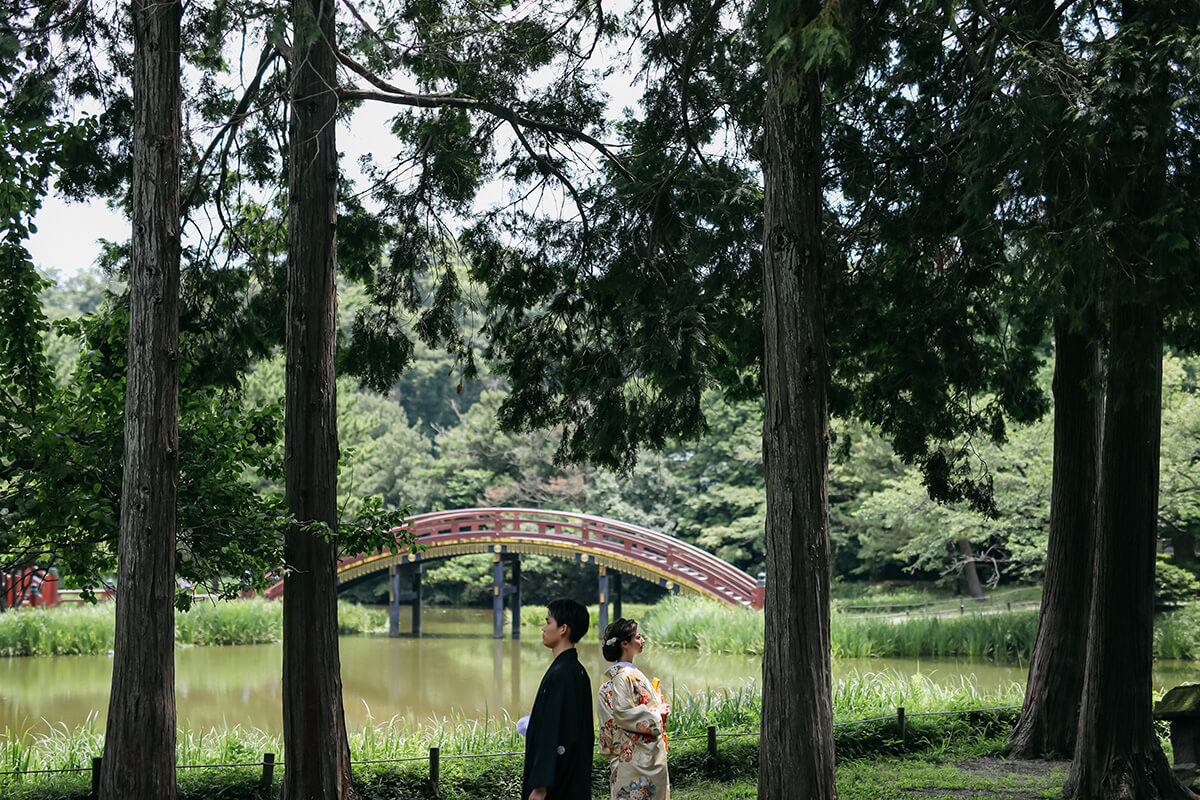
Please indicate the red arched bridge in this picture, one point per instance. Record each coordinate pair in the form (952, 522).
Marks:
(507, 533)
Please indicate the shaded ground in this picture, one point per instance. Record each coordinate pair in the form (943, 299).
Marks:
(917, 779)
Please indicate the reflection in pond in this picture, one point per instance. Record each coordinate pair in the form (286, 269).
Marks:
(457, 670)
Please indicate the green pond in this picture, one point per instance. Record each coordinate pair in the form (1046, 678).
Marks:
(456, 670)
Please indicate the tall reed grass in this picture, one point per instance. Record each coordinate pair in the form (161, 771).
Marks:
(1002, 637)
(855, 697)
(714, 627)
(88, 630)
(706, 625)
(1177, 633)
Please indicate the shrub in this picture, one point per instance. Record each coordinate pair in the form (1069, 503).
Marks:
(1173, 585)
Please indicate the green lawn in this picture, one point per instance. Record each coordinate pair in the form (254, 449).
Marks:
(916, 778)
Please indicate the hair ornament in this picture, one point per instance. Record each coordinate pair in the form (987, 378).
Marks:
(613, 640)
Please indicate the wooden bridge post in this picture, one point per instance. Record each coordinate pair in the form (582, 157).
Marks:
(516, 596)
(393, 602)
(617, 594)
(603, 600)
(497, 595)
(418, 599)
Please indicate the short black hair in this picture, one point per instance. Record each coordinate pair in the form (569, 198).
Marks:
(571, 613)
(623, 630)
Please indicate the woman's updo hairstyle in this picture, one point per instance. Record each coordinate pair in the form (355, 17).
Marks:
(623, 630)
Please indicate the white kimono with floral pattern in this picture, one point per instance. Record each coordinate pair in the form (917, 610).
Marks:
(629, 710)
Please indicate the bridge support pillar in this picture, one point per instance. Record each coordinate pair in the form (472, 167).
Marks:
(603, 601)
(618, 594)
(418, 599)
(497, 596)
(516, 596)
(393, 602)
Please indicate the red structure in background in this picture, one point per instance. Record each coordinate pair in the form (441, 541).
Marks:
(32, 587)
(29, 587)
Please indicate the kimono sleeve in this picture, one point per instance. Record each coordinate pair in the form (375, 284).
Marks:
(635, 706)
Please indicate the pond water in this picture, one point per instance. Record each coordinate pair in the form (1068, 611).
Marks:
(456, 670)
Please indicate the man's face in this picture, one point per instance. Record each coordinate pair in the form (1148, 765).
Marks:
(553, 633)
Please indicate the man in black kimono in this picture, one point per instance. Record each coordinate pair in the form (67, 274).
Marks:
(560, 738)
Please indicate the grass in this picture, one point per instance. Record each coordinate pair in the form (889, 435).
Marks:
(969, 768)
(859, 696)
(706, 625)
(1002, 637)
(714, 627)
(88, 630)
(1177, 633)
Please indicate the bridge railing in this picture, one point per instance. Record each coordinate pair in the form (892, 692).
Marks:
(619, 539)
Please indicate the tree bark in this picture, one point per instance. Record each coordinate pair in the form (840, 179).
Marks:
(317, 753)
(796, 752)
(1117, 754)
(139, 744)
(1183, 544)
(1050, 713)
(974, 586)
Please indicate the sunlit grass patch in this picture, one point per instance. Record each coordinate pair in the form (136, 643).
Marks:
(705, 625)
(88, 629)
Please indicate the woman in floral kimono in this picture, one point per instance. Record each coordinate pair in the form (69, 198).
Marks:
(632, 716)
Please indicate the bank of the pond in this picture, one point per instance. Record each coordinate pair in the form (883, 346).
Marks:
(1002, 636)
(687, 622)
(871, 697)
(88, 629)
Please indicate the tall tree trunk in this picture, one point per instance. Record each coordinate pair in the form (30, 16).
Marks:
(139, 744)
(974, 586)
(1050, 714)
(796, 752)
(317, 753)
(1183, 543)
(1117, 755)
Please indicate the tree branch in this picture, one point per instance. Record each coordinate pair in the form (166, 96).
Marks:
(387, 93)
(548, 165)
(269, 54)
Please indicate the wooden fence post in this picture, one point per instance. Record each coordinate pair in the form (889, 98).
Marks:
(435, 767)
(268, 774)
(712, 741)
(96, 776)
(900, 722)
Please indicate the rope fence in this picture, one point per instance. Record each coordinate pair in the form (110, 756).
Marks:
(435, 757)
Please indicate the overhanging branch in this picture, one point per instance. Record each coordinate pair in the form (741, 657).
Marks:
(387, 93)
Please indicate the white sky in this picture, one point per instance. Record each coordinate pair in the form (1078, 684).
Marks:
(68, 234)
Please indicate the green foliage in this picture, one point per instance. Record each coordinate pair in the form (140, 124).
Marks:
(1177, 633)
(1001, 637)
(712, 626)
(1179, 498)
(1173, 585)
(63, 501)
(708, 625)
(88, 629)
(83, 630)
